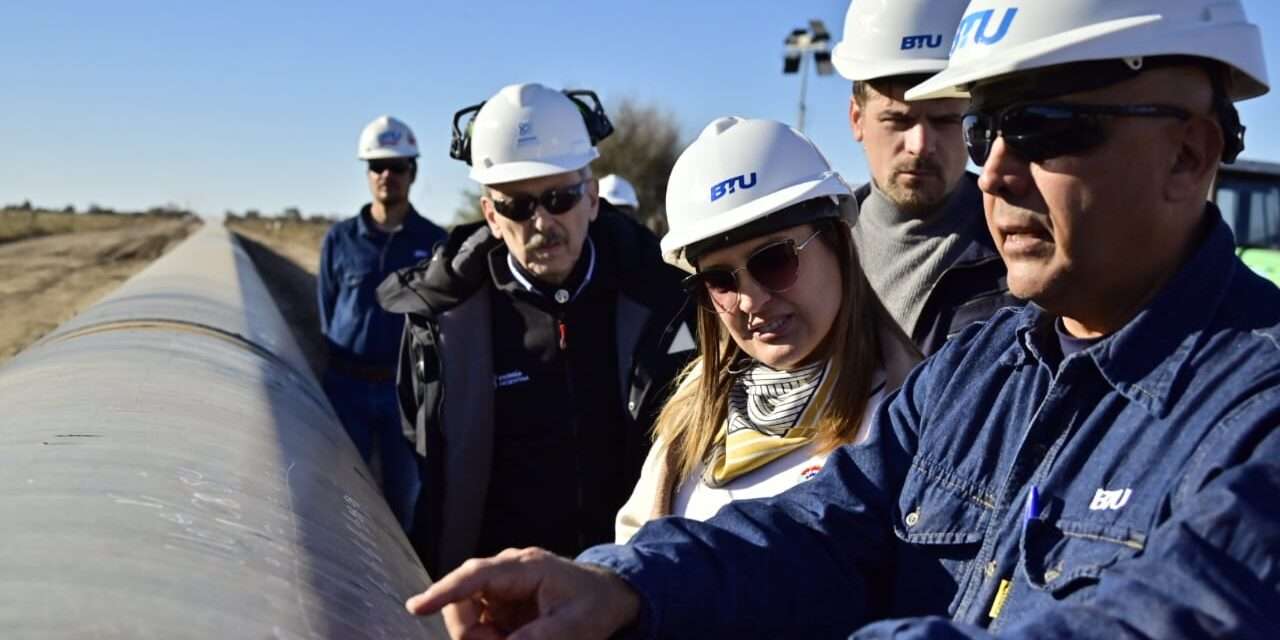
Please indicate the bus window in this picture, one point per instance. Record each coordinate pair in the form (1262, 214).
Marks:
(1251, 207)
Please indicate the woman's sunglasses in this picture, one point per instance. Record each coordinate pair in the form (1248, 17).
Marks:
(555, 201)
(1037, 132)
(775, 266)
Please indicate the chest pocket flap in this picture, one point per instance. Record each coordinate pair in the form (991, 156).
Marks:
(1062, 556)
(353, 279)
(936, 508)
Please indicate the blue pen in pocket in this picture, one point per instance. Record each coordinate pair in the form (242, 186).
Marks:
(1033, 504)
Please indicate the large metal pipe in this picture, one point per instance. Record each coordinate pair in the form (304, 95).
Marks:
(170, 468)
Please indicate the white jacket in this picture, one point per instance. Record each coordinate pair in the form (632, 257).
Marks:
(694, 499)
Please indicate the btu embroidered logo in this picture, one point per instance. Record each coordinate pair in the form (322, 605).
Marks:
(1104, 500)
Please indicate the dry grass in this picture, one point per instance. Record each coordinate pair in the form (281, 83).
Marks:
(18, 224)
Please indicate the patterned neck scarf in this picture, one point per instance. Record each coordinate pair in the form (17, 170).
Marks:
(771, 414)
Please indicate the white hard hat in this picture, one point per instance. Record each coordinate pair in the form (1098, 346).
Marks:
(738, 171)
(618, 192)
(387, 137)
(885, 38)
(999, 37)
(528, 131)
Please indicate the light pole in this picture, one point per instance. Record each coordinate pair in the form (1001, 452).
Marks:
(802, 42)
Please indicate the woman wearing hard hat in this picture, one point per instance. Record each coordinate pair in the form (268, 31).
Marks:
(795, 348)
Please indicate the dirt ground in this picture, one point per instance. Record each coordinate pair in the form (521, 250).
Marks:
(47, 280)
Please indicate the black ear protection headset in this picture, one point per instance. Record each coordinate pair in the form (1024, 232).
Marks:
(598, 125)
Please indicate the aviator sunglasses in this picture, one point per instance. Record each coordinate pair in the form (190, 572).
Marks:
(775, 266)
(1037, 132)
(555, 201)
(394, 166)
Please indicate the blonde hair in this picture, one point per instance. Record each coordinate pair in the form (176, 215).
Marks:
(690, 421)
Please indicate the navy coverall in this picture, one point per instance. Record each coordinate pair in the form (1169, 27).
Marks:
(1153, 457)
(364, 340)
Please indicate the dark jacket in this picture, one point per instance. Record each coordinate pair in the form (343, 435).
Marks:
(970, 290)
(1153, 457)
(448, 386)
(354, 260)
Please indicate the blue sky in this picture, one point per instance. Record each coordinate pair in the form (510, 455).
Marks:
(237, 104)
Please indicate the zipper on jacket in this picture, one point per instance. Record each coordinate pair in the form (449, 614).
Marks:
(562, 331)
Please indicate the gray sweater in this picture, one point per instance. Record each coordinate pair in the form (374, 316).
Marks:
(905, 255)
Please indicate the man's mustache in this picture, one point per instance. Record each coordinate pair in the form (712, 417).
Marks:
(919, 166)
(544, 240)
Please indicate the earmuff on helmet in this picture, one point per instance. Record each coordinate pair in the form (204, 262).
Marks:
(593, 116)
(460, 144)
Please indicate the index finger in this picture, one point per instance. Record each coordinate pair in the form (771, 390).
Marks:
(474, 577)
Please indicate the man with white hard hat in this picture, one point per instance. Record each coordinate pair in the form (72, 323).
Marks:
(919, 232)
(1101, 463)
(540, 342)
(363, 340)
(620, 193)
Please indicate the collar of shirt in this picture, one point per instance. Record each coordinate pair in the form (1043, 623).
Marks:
(369, 230)
(509, 275)
(1142, 359)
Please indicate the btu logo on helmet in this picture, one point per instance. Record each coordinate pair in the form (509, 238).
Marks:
(976, 27)
(392, 138)
(926, 41)
(732, 185)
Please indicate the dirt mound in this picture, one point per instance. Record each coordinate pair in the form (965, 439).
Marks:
(148, 247)
(47, 280)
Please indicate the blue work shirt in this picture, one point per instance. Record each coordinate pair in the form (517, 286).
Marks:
(354, 260)
(1155, 455)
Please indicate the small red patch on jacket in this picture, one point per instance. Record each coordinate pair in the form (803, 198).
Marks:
(809, 472)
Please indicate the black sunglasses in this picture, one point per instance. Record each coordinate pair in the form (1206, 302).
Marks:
(394, 166)
(1037, 132)
(775, 266)
(555, 201)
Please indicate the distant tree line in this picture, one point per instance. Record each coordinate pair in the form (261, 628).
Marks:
(288, 214)
(167, 210)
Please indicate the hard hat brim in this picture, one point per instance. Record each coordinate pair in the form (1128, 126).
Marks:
(1094, 42)
(858, 69)
(674, 243)
(620, 202)
(381, 154)
(513, 171)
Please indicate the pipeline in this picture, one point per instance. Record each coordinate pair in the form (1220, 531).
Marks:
(170, 468)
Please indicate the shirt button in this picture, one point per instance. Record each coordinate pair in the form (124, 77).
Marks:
(913, 518)
(1054, 574)
(562, 296)
(631, 406)
(990, 569)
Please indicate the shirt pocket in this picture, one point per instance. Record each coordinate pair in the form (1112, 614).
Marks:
(935, 508)
(355, 279)
(1065, 557)
(940, 521)
(359, 288)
